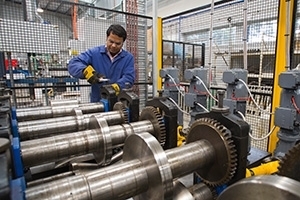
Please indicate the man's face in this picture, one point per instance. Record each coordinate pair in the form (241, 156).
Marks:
(114, 43)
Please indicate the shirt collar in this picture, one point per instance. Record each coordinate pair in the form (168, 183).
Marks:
(110, 56)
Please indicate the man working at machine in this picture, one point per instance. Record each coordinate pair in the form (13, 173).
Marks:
(105, 64)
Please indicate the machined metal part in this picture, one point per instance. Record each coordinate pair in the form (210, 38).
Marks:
(196, 192)
(147, 172)
(5, 172)
(59, 125)
(181, 192)
(289, 165)
(263, 187)
(160, 179)
(49, 179)
(100, 140)
(201, 191)
(152, 114)
(222, 169)
(27, 114)
(119, 106)
(63, 102)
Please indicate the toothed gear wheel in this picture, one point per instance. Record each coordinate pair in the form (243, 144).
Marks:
(119, 106)
(214, 192)
(152, 114)
(289, 165)
(223, 167)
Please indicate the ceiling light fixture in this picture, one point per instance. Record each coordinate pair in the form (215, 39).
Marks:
(39, 9)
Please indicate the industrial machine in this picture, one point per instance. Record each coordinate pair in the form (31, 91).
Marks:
(287, 114)
(169, 112)
(216, 151)
(196, 97)
(236, 92)
(171, 88)
(149, 170)
(171, 82)
(131, 102)
(210, 151)
(99, 139)
(220, 119)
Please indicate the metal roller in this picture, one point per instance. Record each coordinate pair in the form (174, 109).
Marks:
(263, 187)
(196, 192)
(46, 127)
(100, 140)
(147, 171)
(63, 102)
(27, 114)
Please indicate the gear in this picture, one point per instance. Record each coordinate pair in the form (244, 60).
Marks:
(152, 114)
(119, 106)
(225, 161)
(289, 165)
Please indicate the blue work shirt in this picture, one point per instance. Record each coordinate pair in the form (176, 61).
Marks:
(120, 70)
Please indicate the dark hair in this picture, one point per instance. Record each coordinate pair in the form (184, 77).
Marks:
(118, 30)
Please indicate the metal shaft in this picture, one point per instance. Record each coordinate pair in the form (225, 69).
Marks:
(130, 178)
(26, 114)
(45, 127)
(99, 140)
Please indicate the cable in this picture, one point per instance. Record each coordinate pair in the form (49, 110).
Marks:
(206, 89)
(262, 138)
(254, 138)
(172, 79)
(295, 105)
(202, 107)
(178, 106)
(241, 114)
(262, 110)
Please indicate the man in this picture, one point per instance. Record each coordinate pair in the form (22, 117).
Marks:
(107, 62)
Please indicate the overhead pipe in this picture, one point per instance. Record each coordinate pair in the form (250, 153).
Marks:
(287, 36)
(74, 20)
(210, 42)
(245, 34)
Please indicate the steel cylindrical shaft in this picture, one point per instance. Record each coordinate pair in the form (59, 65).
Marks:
(118, 182)
(26, 114)
(91, 107)
(44, 121)
(120, 132)
(77, 143)
(186, 159)
(112, 117)
(121, 181)
(63, 102)
(112, 182)
(41, 128)
(39, 151)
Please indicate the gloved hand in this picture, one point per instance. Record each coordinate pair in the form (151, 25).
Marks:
(116, 87)
(91, 75)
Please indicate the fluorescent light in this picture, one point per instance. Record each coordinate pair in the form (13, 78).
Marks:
(39, 9)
